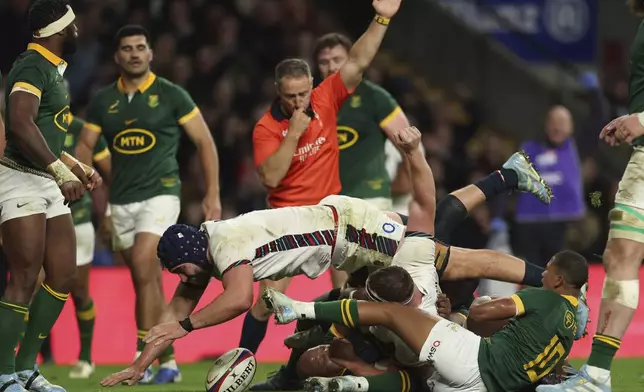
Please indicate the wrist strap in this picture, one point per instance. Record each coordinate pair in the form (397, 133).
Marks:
(382, 20)
(61, 172)
(186, 324)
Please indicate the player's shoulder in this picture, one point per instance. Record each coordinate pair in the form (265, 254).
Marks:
(266, 123)
(27, 62)
(166, 86)
(372, 88)
(105, 92)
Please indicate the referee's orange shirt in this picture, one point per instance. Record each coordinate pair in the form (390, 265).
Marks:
(314, 172)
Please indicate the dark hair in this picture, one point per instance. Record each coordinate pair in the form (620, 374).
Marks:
(637, 7)
(572, 266)
(331, 40)
(44, 12)
(292, 68)
(129, 31)
(391, 284)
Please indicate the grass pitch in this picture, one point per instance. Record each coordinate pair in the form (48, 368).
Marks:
(627, 375)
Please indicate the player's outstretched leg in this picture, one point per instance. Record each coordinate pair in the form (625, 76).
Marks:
(59, 263)
(410, 324)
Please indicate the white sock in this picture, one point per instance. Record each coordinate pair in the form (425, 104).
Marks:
(305, 310)
(171, 364)
(361, 382)
(598, 374)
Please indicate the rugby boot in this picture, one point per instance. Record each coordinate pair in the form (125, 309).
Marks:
(317, 384)
(283, 307)
(282, 380)
(581, 382)
(530, 181)
(167, 375)
(307, 338)
(82, 370)
(10, 383)
(33, 381)
(348, 384)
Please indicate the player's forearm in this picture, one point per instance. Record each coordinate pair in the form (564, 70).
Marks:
(32, 143)
(362, 54)
(183, 303)
(210, 164)
(86, 143)
(422, 180)
(150, 354)
(275, 167)
(225, 307)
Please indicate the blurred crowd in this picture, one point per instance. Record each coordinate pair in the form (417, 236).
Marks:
(224, 52)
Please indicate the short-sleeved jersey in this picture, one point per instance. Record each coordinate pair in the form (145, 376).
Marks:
(636, 82)
(142, 132)
(532, 343)
(362, 142)
(82, 209)
(39, 72)
(314, 171)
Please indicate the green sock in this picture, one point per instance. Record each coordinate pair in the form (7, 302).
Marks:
(85, 316)
(167, 355)
(603, 351)
(12, 325)
(343, 312)
(44, 312)
(390, 382)
(140, 344)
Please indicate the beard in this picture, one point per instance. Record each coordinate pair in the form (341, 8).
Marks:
(69, 46)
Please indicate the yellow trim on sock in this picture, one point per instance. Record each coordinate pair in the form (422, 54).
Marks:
(608, 340)
(346, 310)
(54, 293)
(86, 315)
(344, 316)
(141, 333)
(406, 381)
(344, 371)
(335, 332)
(615, 340)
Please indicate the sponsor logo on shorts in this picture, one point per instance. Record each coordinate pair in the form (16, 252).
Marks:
(20, 205)
(134, 141)
(388, 228)
(432, 351)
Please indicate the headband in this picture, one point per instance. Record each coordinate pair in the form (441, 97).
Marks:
(376, 298)
(56, 26)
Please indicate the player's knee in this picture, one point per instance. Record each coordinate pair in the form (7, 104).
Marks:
(23, 281)
(623, 292)
(623, 257)
(316, 362)
(144, 274)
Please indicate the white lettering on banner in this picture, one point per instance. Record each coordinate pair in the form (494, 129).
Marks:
(309, 149)
(567, 21)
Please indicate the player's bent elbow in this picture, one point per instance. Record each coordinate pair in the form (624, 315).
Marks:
(270, 181)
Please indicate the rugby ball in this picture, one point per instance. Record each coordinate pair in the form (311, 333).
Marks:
(232, 372)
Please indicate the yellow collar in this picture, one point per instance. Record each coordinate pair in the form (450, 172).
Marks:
(573, 301)
(143, 87)
(46, 53)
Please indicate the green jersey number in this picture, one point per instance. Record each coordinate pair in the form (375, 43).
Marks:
(544, 362)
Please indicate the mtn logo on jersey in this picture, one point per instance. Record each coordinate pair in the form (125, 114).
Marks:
(63, 118)
(347, 137)
(134, 141)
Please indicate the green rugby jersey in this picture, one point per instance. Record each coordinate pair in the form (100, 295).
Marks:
(40, 72)
(82, 209)
(362, 141)
(636, 82)
(532, 344)
(142, 132)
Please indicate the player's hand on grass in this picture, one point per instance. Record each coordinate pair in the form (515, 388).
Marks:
(164, 332)
(298, 123)
(211, 206)
(407, 139)
(130, 376)
(386, 8)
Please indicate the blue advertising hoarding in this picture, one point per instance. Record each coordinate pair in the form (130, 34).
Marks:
(536, 30)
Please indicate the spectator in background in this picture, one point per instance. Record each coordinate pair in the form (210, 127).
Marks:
(541, 228)
(367, 119)
(295, 142)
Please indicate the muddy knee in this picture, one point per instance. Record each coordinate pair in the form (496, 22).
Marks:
(316, 362)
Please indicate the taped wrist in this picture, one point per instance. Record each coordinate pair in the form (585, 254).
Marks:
(61, 172)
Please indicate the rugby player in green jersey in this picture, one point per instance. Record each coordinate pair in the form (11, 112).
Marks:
(85, 240)
(368, 117)
(36, 186)
(141, 116)
(625, 247)
(539, 336)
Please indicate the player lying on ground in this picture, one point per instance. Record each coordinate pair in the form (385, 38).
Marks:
(539, 335)
(337, 231)
(36, 187)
